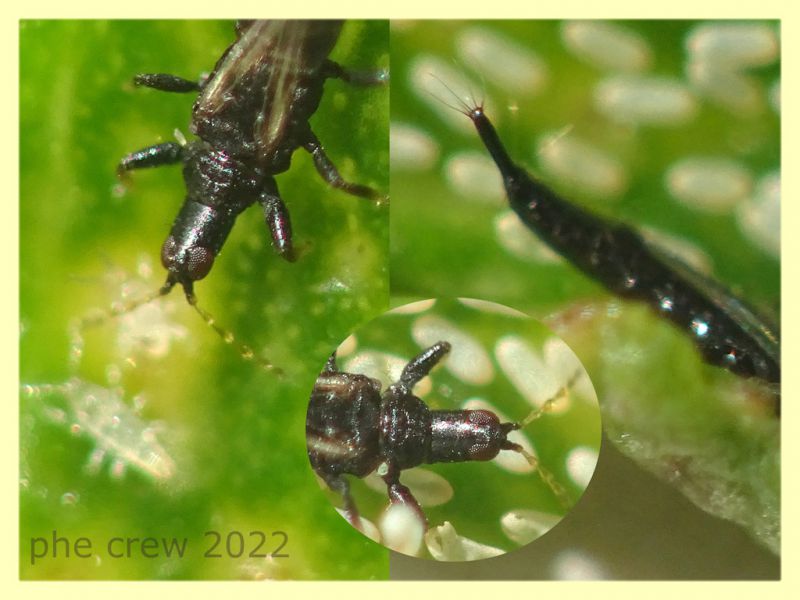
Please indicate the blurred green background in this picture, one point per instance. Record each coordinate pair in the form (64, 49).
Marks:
(235, 431)
(696, 427)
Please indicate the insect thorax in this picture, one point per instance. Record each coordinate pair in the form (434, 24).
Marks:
(216, 178)
(405, 428)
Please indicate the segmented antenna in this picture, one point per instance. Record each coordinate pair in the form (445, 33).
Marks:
(120, 308)
(245, 351)
(563, 392)
(96, 318)
(559, 491)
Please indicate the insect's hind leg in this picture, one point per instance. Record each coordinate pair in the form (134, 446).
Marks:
(168, 83)
(167, 153)
(330, 173)
(339, 484)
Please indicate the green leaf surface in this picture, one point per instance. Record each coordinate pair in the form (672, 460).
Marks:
(234, 430)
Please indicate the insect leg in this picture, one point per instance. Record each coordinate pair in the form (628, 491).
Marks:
(167, 153)
(419, 366)
(330, 173)
(340, 485)
(277, 217)
(330, 364)
(333, 70)
(167, 83)
(400, 494)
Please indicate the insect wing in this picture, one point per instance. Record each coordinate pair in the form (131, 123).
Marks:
(301, 48)
(265, 68)
(243, 59)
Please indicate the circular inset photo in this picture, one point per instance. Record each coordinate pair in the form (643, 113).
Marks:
(453, 429)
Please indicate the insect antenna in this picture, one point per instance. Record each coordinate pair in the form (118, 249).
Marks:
(547, 405)
(117, 309)
(245, 351)
(120, 308)
(98, 317)
(559, 491)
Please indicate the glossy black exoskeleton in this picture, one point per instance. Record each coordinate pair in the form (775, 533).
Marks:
(725, 330)
(250, 116)
(352, 428)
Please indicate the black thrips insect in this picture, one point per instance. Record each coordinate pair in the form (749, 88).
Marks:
(352, 428)
(251, 114)
(726, 331)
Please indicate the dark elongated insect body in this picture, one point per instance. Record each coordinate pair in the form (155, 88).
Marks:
(251, 114)
(724, 329)
(352, 428)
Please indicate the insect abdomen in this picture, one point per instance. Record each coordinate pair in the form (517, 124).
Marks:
(618, 257)
(622, 261)
(342, 424)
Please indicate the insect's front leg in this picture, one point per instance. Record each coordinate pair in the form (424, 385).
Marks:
(167, 153)
(400, 494)
(419, 366)
(330, 173)
(334, 70)
(168, 83)
(277, 217)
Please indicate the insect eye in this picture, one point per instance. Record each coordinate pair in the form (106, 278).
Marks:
(199, 262)
(483, 451)
(483, 417)
(485, 426)
(193, 263)
(168, 251)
